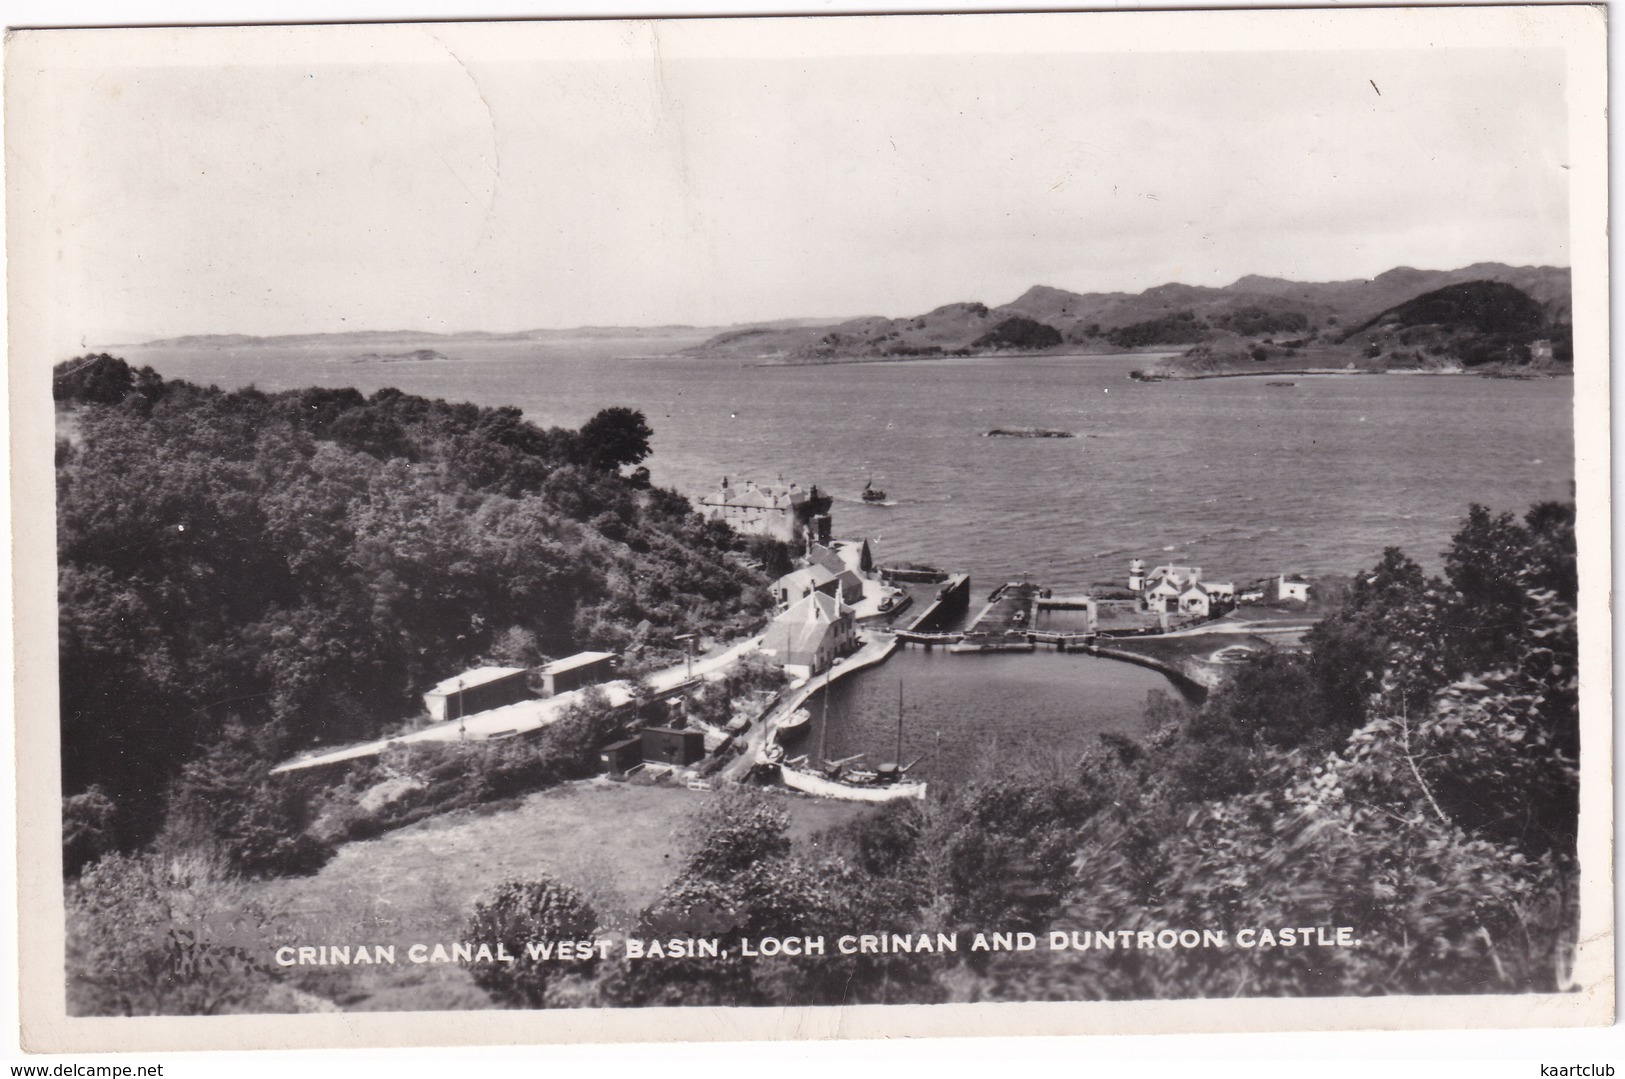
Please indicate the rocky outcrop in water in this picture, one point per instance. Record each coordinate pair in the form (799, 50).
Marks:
(417, 355)
(1028, 432)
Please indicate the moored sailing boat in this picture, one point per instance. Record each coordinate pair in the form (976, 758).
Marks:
(877, 790)
(884, 784)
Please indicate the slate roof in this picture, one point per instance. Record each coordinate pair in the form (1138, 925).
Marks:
(479, 676)
(800, 630)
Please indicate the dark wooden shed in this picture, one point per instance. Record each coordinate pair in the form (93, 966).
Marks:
(619, 758)
(673, 745)
(574, 672)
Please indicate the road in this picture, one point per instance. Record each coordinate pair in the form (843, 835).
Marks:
(669, 679)
(526, 716)
(513, 719)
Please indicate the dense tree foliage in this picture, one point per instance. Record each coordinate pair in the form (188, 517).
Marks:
(89, 823)
(519, 913)
(1484, 307)
(1254, 320)
(1018, 332)
(225, 799)
(305, 564)
(743, 880)
(1179, 328)
(613, 438)
(1476, 322)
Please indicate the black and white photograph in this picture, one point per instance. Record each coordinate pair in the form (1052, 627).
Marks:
(890, 518)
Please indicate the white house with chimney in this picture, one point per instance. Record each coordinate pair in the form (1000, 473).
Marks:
(1174, 589)
(808, 637)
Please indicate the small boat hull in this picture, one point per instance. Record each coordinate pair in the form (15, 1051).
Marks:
(808, 783)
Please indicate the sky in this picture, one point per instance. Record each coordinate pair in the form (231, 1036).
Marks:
(498, 178)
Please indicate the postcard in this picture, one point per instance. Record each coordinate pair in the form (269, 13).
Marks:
(814, 527)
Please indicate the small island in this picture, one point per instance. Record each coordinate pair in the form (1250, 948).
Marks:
(417, 355)
(1027, 432)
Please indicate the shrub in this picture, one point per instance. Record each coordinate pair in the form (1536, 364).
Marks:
(259, 821)
(135, 945)
(518, 913)
(87, 828)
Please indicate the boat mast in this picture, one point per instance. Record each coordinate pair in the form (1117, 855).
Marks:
(899, 757)
(823, 724)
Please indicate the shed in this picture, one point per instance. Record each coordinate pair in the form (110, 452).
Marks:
(573, 672)
(619, 758)
(680, 746)
(478, 690)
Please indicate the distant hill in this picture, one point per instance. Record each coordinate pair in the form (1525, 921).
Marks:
(1163, 318)
(1473, 323)
(373, 344)
(408, 339)
(296, 340)
(1475, 306)
(1252, 312)
(1488, 325)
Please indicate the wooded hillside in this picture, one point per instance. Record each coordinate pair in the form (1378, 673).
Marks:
(305, 564)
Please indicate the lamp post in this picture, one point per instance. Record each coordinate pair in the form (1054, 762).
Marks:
(688, 654)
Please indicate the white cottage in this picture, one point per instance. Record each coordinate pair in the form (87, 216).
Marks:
(1178, 590)
(1292, 587)
(811, 635)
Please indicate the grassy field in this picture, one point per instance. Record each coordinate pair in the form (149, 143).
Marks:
(618, 843)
